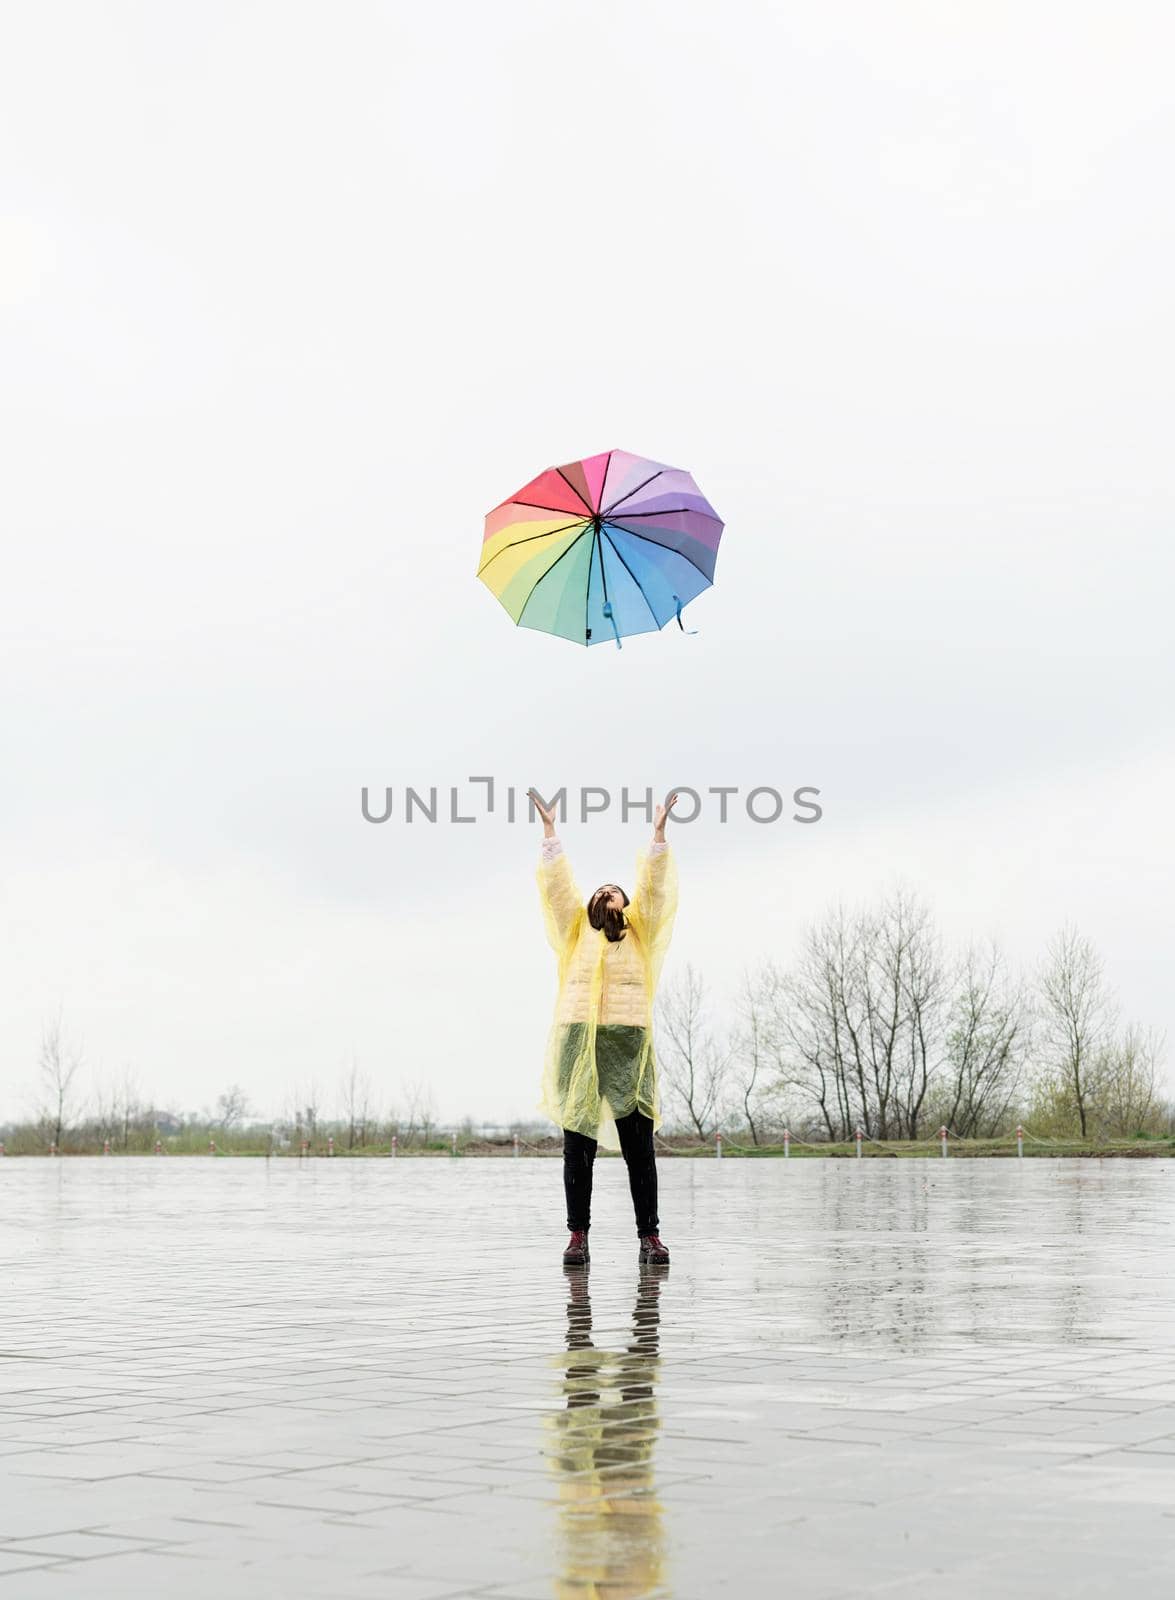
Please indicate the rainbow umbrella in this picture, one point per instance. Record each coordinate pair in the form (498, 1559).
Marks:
(600, 548)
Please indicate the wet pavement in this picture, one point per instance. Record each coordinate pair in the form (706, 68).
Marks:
(349, 1379)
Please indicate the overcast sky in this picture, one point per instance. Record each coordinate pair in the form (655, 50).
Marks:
(291, 295)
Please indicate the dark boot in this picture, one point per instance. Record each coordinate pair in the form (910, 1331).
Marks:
(653, 1253)
(576, 1253)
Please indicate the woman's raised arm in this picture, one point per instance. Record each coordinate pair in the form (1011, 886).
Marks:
(558, 891)
(655, 894)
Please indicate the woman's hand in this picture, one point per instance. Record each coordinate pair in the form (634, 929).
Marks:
(659, 820)
(548, 816)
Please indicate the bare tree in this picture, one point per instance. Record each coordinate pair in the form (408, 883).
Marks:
(913, 954)
(421, 1110)
(988, 1034)
(129, 1104)
(757, 1073)
(1127, 1082)
(300, 1112)
(807, 1019)
(862, 1018)
(356, 1104)
(695, 1063)
(306, 1111)
(232, 1107)
(1078, 1013)
(59, 1064)
(102, 1116)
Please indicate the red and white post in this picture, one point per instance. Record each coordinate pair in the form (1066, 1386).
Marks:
(942, 1133)
(330, 1144)
(786, 1144)
(718, 1144)
(1020, 1142)
(858, 1144)
(395, 1142)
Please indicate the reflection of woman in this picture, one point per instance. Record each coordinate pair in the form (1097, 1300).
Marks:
(610, 1519)
(600, 1073)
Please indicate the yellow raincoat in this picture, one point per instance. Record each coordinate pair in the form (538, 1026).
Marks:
(605, 984)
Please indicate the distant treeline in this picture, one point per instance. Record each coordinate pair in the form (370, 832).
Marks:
(876, 1025)
(879, 1025)
(76, 1112)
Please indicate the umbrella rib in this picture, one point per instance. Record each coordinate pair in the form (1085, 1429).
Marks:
(530, 538)
(548, 572)
(630, 493)
(679, 511)
(604, 479)
(587, 588)
(590, 509)
(668, 547)
(631, 574)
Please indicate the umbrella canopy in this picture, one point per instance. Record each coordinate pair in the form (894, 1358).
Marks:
(600, 548)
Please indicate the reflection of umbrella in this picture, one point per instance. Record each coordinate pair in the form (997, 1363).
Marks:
(603, 547)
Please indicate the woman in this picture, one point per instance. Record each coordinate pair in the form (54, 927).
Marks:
(600, 1073)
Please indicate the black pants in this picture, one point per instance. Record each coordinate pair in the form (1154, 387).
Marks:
(636, 1145)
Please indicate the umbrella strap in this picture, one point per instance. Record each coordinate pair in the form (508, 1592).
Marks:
(680, 623)
(612, 620)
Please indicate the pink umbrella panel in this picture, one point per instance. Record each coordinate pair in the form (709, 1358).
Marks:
(612, 545)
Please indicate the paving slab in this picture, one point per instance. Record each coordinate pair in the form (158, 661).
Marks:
(348, 1379)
